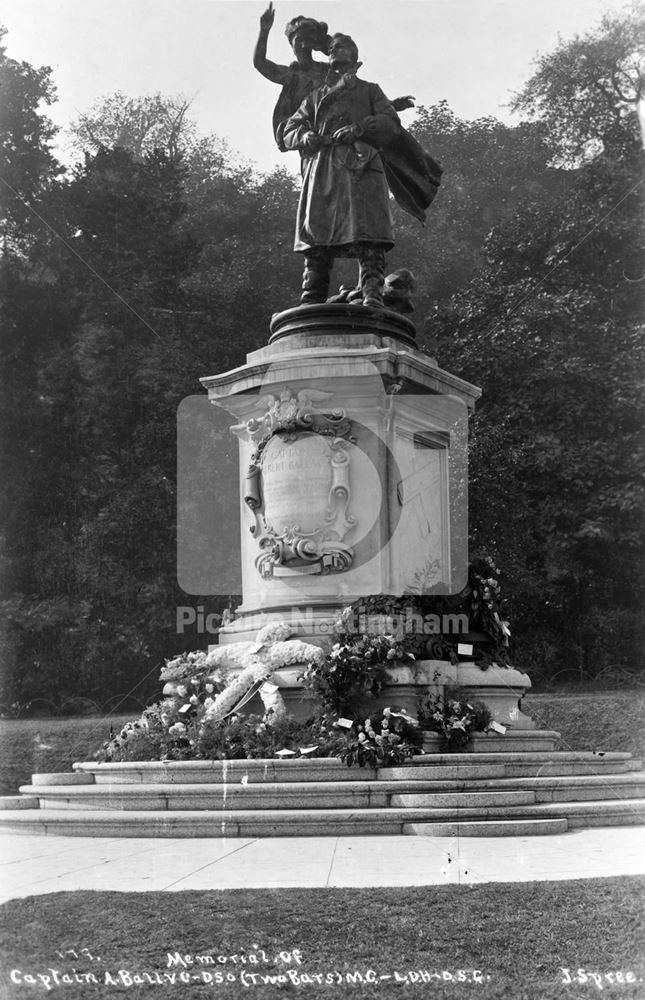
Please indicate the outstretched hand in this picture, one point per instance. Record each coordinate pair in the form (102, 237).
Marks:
(267, 19)
(402, 103)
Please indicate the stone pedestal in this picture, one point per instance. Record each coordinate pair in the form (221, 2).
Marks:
(353, 482)
(352, 447)
(501, 688)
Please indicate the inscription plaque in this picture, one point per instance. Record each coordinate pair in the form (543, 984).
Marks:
(297, 479)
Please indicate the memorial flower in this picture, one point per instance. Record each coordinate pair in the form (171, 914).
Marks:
(355, 666)
(382, 740)
(275, 632)
(455, 718)
(258, 660)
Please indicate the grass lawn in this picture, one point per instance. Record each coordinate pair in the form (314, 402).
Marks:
(604, 720)
(509, 941)
(68, 740)
(600, 721)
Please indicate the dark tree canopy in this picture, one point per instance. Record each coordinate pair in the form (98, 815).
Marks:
(27, 164)
(139, 125)
(587, 91)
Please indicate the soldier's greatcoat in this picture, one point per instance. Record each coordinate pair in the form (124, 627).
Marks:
(345, 195)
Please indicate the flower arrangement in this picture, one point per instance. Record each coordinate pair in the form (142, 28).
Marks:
(355, 666)
(454, 717)
(169, 729)
(203, 690)
(272, 650)
(487, 609)
(386, 738)
(185, 666)
(482, 604)
(254, 737)
(199, 717)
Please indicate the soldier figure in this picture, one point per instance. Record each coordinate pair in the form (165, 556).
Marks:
(344, 206)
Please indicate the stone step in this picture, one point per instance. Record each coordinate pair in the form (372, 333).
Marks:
(563, 788)
(361, 794)
(592, 812)
(288, 795)
(313, 822)
(446, 765)
(514, 740)
(223, 771)
(567, 787)
(469, 771)
(315, 795)
(63, 778)
(468, 794)
(462, 800)
(426, 772)
(488, 828)
(588, 787)
(18, 802)
(540, 757)
(240, 823)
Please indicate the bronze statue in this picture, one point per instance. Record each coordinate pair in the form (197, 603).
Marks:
(398, 288)
(354, 151)
(306, 36)
(344, 206)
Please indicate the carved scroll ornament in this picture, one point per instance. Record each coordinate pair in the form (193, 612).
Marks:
(298, 485)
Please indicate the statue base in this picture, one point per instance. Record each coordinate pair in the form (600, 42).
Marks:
(352, 450)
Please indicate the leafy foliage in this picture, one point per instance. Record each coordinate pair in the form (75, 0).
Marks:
(141, 126)
(385, 739)
(454, 717)
(489, 170)
(552, 331)
(587, 90)
(27, 164)
(252, 737)
(355, 667)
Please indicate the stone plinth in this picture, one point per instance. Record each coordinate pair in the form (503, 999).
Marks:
(501, 688)
(352, 464)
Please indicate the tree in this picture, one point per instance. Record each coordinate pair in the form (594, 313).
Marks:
(587, 91)
(488, 169)
(244, 222)
(124, 217)
(139, 125)
(27, 164)
(89, 550)
(551, 328)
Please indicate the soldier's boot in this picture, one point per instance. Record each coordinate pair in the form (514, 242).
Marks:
(372, 275)
(316, 277)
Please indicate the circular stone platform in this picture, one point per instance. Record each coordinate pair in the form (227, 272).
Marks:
(333, 318)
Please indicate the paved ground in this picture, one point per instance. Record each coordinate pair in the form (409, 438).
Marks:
(32, 865)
